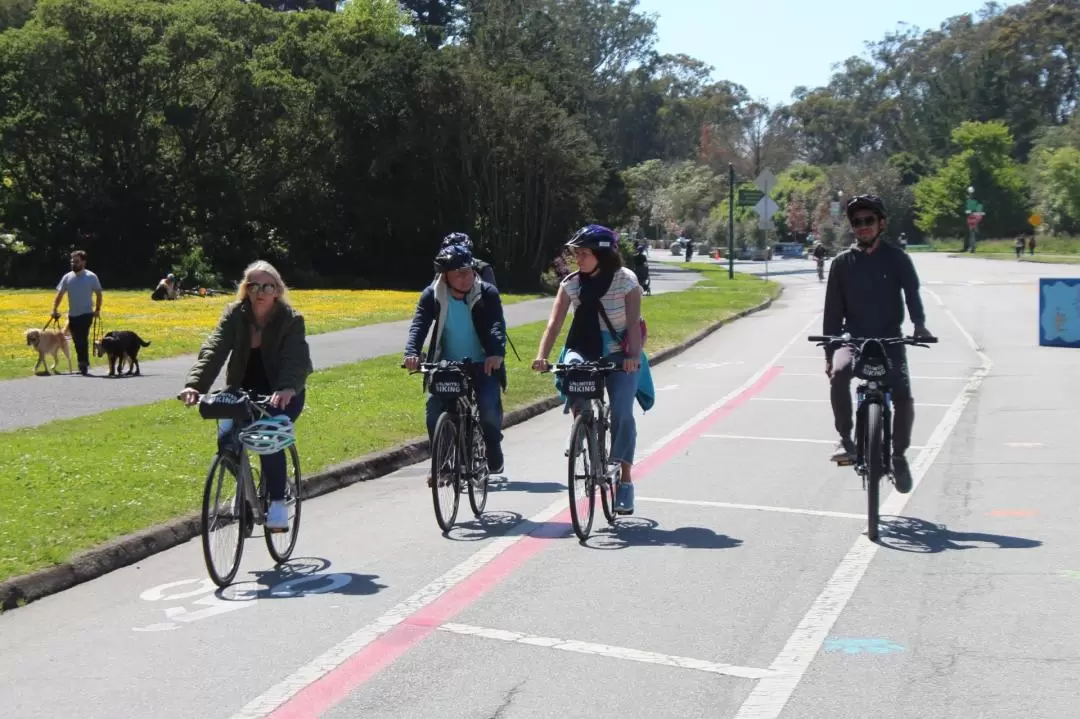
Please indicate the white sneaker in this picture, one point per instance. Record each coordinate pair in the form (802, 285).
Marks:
(277, 519)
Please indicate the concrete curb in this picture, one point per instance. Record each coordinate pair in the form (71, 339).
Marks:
(131, 548)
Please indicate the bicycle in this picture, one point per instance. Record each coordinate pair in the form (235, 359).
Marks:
(588, 440)
(873, 411)
(230, 485)
(458, 449)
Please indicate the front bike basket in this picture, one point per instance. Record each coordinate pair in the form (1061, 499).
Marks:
(582, 384)
(872, 363)
(448, 383)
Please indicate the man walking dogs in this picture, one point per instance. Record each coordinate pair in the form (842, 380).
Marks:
(79, 285)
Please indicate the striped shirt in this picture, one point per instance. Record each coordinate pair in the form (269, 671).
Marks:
(614, 302)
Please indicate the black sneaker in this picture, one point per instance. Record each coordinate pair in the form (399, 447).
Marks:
(844, 452)
(901, 474)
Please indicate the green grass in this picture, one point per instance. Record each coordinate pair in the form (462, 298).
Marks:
(1043, 246)
(70, 485)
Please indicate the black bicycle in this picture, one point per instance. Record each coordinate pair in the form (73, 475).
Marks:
(235, 498)
(458, 450)
(589, 444)
(873, 414)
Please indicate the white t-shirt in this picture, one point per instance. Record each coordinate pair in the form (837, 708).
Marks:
(614, 301)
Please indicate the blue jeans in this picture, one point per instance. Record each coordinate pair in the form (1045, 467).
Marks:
(489, 407)
(622, 392)
(273, 465)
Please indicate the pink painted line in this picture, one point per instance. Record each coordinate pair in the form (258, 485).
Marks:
(332, 688)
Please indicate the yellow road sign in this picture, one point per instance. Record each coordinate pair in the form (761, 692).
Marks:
(1035, 220)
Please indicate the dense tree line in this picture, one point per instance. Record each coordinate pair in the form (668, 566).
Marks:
(342, 139)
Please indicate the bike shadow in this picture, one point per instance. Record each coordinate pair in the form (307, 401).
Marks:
(911, 534)
(300, 577)
(643, 532)
(509, 485)
(489, 524)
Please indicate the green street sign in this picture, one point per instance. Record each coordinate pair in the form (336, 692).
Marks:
(973, 206)
(749, 198)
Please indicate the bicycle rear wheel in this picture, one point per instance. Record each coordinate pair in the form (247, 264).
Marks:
(445, 471)
(222, 525)
(580, 481)
(281, 544)
(478, 484)
(607, 487)
(875, 467)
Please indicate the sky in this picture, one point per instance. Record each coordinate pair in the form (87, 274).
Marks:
(772, 46)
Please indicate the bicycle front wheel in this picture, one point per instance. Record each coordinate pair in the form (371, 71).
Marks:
(281, 544)
(223, 519)
(478, 483)
(875, 467)
(580, 479)
(445, 471)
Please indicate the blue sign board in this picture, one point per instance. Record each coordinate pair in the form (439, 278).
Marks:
(1059, 312)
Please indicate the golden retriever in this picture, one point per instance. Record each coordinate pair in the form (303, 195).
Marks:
(48, 342)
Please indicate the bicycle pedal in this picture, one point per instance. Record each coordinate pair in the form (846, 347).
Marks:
(844, 462)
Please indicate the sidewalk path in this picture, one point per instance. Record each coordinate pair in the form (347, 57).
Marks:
(36, 400)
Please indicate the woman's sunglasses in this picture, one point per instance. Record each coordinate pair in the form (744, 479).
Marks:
(266, 288)
(867, 221)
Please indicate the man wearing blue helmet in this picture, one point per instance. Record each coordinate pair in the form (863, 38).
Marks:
(469, 323)
(487, 274)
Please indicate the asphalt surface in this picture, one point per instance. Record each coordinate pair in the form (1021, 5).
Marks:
(743, 586)
(36, 400)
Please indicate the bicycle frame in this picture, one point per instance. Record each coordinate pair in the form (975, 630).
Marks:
(466, 410)
(598, 417)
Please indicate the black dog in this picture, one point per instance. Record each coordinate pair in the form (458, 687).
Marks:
(121, 344)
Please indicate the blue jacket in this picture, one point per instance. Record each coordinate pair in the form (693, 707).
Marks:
(487, 314)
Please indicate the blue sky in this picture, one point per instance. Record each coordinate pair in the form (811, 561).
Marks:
(772, 46)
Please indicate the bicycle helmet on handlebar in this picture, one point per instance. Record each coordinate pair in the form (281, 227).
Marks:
(454, 257)
(866, 202)
(268, 435)
(594, 237)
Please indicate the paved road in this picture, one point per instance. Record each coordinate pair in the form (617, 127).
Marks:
(742, 588)
(37, 400)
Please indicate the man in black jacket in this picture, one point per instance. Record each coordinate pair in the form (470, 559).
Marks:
(863, 298)
(469, 323)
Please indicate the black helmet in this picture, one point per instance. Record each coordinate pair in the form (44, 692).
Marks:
(453, 257)
(457, 238)
(593, 237)
(866, 202)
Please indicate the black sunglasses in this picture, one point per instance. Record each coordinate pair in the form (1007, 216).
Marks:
(866, 221)
(264, 288)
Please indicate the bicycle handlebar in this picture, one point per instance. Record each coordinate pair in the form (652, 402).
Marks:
(846, 339)
(593, 367)
(262, 401)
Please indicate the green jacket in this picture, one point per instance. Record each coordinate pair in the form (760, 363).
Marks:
(285, 351)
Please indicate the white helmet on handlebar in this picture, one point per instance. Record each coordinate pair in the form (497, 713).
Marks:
(268, 435)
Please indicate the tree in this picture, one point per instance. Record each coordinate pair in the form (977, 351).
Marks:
(984, 162)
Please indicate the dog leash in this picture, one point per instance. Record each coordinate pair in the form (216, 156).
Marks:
(52, 321)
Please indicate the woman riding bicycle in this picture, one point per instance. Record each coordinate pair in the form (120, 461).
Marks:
(602, 286)
(263, 338)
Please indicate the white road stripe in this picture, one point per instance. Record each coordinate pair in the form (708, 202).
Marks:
(756, 438)
(772, 694)
(823, 400)
(756, 507)
(355, 642)
(632, 655)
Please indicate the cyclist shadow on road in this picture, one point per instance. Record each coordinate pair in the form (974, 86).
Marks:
(644, 532)
(300, 577)
(911, 534)
(508, 485)
(489, 524)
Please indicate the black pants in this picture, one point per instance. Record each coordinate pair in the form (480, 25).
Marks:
(79, 326)
(900, 384)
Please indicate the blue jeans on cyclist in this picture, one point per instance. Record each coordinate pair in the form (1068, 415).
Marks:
(272, 465)
(489, 407)
(622, 390)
